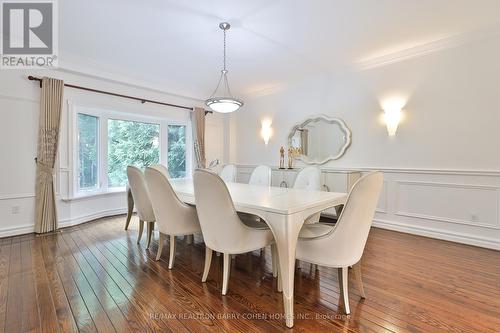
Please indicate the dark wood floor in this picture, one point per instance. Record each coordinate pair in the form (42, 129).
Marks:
(94, 277)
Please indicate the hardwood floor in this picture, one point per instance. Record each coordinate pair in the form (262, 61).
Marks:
(95, 278)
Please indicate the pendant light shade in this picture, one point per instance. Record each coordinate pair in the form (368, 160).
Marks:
(222, 100)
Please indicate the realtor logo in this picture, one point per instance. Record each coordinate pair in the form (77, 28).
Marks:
(29, 38)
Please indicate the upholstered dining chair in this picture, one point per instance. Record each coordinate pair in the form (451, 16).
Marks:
(130, 205)
(261, 176)
(228, 173)
(342, 245)
(161, 168)
(142, 201)
(221, 227)
(173, 217)
(130, 198)
(309, 179)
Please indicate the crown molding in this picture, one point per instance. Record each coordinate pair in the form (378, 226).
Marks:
(108, 76)
(426, 48)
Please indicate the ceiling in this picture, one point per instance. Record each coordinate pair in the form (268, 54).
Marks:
(176, 46)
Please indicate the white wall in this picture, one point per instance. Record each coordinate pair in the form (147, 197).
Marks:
(19, 106)
(445, 149)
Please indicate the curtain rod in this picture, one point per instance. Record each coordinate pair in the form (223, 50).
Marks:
(142, 100)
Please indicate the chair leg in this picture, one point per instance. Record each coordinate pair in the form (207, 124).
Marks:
(225, 274)
(172, 252)
(208, 261)
(343, 283)
(359, 278)
(274, 256)
(151, 226)
(130, 208)
(160, 246)
(141, 229)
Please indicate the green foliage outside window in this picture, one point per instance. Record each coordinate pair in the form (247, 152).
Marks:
(130, 143)
(87, 151)
(177, 151)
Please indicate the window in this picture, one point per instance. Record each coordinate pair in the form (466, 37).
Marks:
(105, 142)
(87, 152)
(177, 151)
(130, 143)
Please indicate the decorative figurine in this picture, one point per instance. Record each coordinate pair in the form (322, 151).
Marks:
(290, 158)
(282, 157)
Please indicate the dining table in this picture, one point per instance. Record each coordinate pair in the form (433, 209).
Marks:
(284, 210)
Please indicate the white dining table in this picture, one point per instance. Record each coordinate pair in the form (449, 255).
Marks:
(284, 210)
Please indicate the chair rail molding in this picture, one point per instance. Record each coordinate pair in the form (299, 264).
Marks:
(456, 205)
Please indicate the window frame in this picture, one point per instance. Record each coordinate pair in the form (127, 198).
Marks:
(104, 114)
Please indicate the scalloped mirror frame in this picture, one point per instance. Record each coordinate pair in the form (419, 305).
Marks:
(331, 120)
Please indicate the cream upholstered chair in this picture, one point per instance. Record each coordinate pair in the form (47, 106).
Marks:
(309, 179)
(130, 198)
(173, 217)
(228, 173)
(221, 227)
(261, 175)
(163, 169)
(342, 245)
(142, 202)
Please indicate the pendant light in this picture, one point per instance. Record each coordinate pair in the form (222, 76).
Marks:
(223, 101)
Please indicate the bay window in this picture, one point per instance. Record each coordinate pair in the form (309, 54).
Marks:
(106, 142)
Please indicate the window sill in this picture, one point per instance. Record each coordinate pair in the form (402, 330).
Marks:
(90, 195)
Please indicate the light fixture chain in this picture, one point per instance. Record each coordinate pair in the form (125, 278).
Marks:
(224, 50)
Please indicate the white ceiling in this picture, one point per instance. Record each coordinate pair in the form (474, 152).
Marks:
(177, 45)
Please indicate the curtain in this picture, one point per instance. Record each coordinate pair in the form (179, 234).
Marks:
(198, 125)
(48, 137)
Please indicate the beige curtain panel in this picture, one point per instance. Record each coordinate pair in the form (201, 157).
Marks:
(198, 125)
(48, 137)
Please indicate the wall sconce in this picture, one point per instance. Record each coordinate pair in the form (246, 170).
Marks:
(393, 115)
(266, 131)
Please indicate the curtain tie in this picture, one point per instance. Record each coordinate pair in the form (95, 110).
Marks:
(44, 167)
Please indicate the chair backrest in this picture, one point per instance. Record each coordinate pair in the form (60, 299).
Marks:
(160, 167)
(228, 173)
(261, 175)
(221, 227)
(349, 236)
(171, 213)
(308, 178)
(140, 194)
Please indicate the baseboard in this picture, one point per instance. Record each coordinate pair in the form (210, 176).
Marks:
(19, 230)
(438, 234)
(90, 217)
(30, 228)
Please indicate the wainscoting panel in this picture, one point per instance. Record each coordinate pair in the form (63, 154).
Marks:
(455, 205)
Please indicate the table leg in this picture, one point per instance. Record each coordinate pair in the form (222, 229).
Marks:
(286, 229)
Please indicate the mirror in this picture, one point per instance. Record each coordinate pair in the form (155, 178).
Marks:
(320, 139)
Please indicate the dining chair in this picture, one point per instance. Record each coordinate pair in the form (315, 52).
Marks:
(222, 229)
(163, 169)
(173, 217)
(309, 178)
(130, 206)
(130, 198)
(261, 176)
(142, 201)
(228, 173)
(342, 245)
